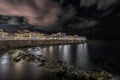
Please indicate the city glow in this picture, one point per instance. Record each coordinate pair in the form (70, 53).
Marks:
(27, 35)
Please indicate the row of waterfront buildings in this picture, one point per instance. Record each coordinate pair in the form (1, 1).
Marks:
(27, 35)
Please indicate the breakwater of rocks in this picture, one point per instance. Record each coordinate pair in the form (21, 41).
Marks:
(14, 44)
(57, 70)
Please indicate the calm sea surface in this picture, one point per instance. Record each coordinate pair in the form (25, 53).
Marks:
(89, 56)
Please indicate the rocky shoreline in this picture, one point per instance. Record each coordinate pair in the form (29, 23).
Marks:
(60, 71)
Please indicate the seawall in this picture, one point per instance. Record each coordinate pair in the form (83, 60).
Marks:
(14, 44)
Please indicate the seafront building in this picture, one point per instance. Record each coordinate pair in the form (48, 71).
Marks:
(27, 35)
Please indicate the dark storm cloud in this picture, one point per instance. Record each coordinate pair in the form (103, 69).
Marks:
(87, 3)
(69, 12)
(101, 4)
(54, 14)
(88, 13)
(105, 4)
(84, 23)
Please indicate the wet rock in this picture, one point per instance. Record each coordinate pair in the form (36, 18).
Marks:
(30, 58)
(17, 59)
(41, 64)
(61, 71)
(59, 63)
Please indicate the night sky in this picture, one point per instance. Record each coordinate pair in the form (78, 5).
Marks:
(96, 19)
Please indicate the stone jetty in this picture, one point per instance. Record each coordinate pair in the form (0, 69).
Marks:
(14, 44)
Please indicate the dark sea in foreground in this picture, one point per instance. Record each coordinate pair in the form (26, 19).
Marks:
(96, 54)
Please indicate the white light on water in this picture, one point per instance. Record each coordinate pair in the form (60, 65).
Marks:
(66, 49)
(66, 53)
(51, 49)
(4, 59)
(60, 47)
(82, 55)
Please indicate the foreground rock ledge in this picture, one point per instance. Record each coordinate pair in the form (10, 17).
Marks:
(59, 71)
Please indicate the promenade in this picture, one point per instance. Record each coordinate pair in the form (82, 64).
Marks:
(14, 44)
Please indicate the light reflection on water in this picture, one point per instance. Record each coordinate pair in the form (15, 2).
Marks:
(95, 54)
(4, 65)
(66, 53)
(82, 56)
(72, 54)
(76, 55)
(4, 59)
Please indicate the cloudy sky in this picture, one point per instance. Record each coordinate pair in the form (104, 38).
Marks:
(59, 14)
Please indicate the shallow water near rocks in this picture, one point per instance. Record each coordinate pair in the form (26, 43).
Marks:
(89, 56)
